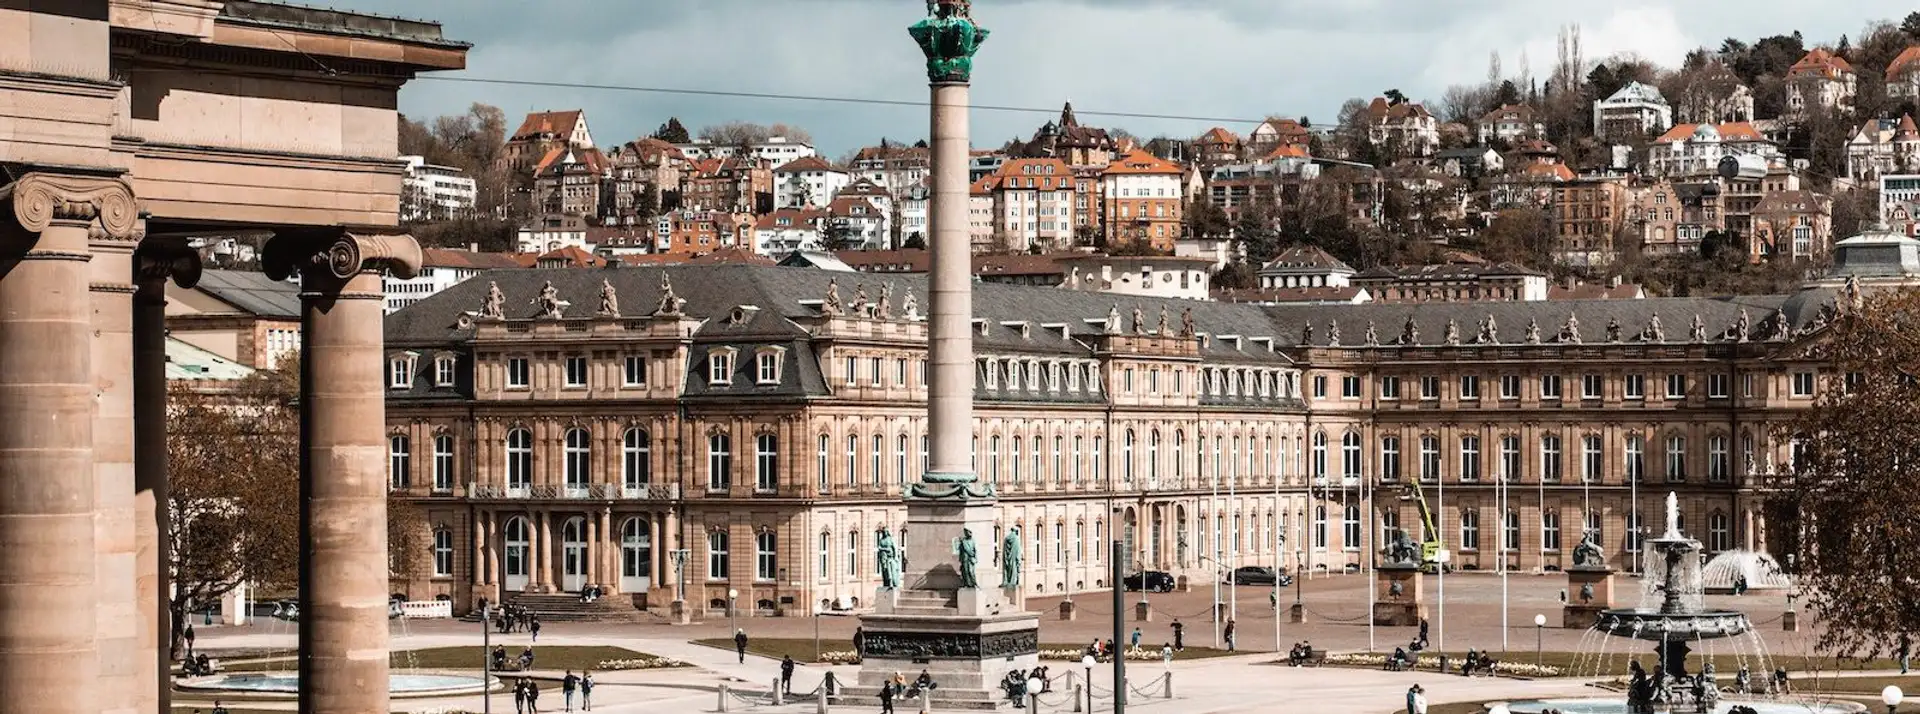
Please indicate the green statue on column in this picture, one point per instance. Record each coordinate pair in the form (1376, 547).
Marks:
(950, 39)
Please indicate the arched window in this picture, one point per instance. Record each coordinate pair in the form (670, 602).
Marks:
(1350, 455)
(1320, 455)
(519, 459)
(578, 452)
(636, 458)
(1015, 461)
(765, 556)
(853, 460)
(517, 563)
(717, 555)
(878, 459)
(636, 552)
(442, 552)
(399, 461)
(1153, 454)
(900, 460)
(766, 462)
(825, 565)
(993, 460)
(1179, 454)
(719, 462)
(1126, 457)
(1079, 460)
(1039, 462)
(822, 457)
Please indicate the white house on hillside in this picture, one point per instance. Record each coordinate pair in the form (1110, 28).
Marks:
(1635, 111)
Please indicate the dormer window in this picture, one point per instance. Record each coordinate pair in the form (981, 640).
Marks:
(767, 362)
(1013, 377)
(443, 371)
(720, 366)
(400, 372)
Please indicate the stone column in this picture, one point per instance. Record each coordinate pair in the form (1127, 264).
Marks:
(950, 282)
(609, 552)
(154, 262)
(48, 627)
(343, 480)
(116, 616)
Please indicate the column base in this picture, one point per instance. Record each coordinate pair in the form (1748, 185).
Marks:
(679, 614)
(1143, 611)
(1067, 613)
(1297, 613)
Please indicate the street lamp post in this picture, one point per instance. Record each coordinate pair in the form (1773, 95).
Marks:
(1539, 639)
(733, 621)
(1087, 662)
(486, 653)
(1892, 696)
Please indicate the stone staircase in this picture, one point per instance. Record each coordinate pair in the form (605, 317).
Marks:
(567, 607)
(925, 602)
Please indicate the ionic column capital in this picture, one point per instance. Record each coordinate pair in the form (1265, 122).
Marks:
(158, 259)
(336, 254)
(39, 199)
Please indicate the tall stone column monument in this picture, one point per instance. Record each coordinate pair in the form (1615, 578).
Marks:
(943, 605)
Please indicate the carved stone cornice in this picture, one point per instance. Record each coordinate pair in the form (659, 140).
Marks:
(337, 254)
(39, 199)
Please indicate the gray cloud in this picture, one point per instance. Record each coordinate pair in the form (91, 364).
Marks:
(1212, 58)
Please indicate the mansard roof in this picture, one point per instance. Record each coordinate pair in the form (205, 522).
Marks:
(789, 297)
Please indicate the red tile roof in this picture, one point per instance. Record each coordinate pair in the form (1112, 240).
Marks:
(796, 218)
(1908, 61)
(538, 123)
(1822, 63)
(1729, 131)
(1218, 135)
(1289, 151)
(1140, 162)
(574, 257)
(807, 163)
(729, 254)
(1287, 295)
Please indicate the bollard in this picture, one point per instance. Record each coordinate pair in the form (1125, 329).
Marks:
(1790, 621)
(926, 706)
(723, 699)
(1169, 677)
(820, 703)
(779, 695)
(1079, 698)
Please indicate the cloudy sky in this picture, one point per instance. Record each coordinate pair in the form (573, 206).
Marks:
(1225, 61)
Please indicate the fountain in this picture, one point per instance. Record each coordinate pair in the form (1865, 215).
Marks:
(1674, 617)
(286, 685)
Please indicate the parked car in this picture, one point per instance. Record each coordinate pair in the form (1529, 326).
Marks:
(1158, 581)
(288, 610)
(1258, 575)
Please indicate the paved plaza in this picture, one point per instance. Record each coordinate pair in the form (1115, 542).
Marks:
(1335, 605)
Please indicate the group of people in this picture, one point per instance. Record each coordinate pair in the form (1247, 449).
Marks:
(897, 688)
(499, 659)
(1479, 661)
(514, 617)
(591, 593)
(1019, 685)
(1300, 653)
(526, 694)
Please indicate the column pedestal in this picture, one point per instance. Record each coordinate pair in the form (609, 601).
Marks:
(1400, 597)
(1589, 591)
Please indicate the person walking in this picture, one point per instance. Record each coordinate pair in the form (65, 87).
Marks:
(567, 685)
(1905, 652)
(740, 644)
(1135, 643)
(1229, 635)
(520, 696)
(533, 697)
(533, 626)
(187, 635)
(1179, 636)
(786, 674)
(886, 698)
(1416, 700)
(586, 691)
(1423, 634)
(859, 640)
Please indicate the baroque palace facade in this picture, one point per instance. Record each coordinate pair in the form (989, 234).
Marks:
(761, 421)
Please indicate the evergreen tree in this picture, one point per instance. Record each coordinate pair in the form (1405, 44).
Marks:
(672, 132)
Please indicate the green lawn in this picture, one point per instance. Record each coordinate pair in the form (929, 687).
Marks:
(557, 657)
(801, 650)
(1724, 665)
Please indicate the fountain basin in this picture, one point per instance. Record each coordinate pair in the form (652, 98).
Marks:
(1597, 705)
(1673, 627)
(287, 684)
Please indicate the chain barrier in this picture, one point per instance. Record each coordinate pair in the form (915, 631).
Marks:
(1157, 684)
(764, 699)
(1357, 618)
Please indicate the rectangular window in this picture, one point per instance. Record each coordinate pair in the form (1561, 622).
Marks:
(1676, 386)
(1469, 458)
(1592, 386)
(635, 374)
(1748, 386)
(1510, 458)
(1429, 458)
(877, 373)
(720, 368)
(766, 462)
(1389, 387)
(400, 373)
(1551, 463)
(1719, 466)
(900, 372)
(1319, 387)
(1389, 458)
(853, 554)
(1550, 530)
(825, 566)
(1469, 387)
(765, 557)
(768, 368)
(443, 372)
(1636, 387)
(1550, 387)
(518, 374)
(1429, 388)
(853, 364)
(1676, 458)
(1509, 386)
(442, 553)
(1469, 529)
(717, 555)
(576, 372)
(1636, 457)
(1350, 387)
(443, 463)
(1802, 384)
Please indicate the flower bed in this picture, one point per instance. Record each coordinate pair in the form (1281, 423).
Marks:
(615, 665)
(839, 657)
(1133, 655)
(1432, 663)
